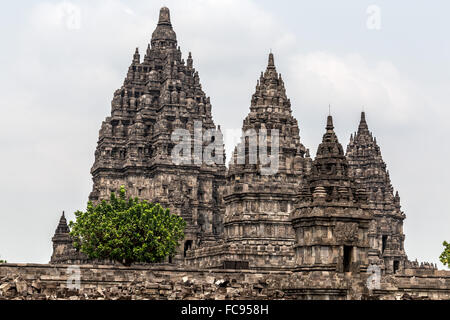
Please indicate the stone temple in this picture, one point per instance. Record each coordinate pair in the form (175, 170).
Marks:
(314, 228)
(160, 93)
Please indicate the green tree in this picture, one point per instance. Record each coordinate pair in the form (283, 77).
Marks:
(127, 230)
(3, 261)
(445, 256)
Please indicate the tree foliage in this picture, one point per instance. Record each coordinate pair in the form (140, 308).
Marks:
(445, 256)
(127, 231)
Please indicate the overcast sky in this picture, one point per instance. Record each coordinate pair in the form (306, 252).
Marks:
(61, 61)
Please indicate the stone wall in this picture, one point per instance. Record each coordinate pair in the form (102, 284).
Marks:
(36, 281)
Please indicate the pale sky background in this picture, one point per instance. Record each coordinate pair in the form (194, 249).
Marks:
(61, 61)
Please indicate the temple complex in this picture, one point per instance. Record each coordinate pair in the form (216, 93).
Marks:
(322, 226)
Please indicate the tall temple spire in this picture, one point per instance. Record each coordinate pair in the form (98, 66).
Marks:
(256, 183)
(366, 166)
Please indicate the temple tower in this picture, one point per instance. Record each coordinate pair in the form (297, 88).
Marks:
(257, 204)
(162, 93)
(367, 167)
(331, 219)
(262, 183)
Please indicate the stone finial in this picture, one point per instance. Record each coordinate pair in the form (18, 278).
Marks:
(62, 225)
(164, 37)
(330, 123)
(190, 62)
(136, 57)
(161, 81)
(271, 64)
(164, 17)
(363, 124)
(397, 199)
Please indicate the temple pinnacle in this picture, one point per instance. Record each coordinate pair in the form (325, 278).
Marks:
(271, 64)
(363, 123)
(164, 17)
(164, 37)
(136, 56)
(330, 123)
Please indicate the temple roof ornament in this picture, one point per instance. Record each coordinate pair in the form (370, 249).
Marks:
(164, 36)
(62, 228)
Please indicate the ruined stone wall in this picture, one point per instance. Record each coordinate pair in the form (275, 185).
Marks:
(31, 281)
(35, 281)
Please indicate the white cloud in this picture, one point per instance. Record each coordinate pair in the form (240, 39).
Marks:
(350, 83)
(63, 14)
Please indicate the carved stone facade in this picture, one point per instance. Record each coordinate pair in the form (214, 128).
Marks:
(311, 220)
